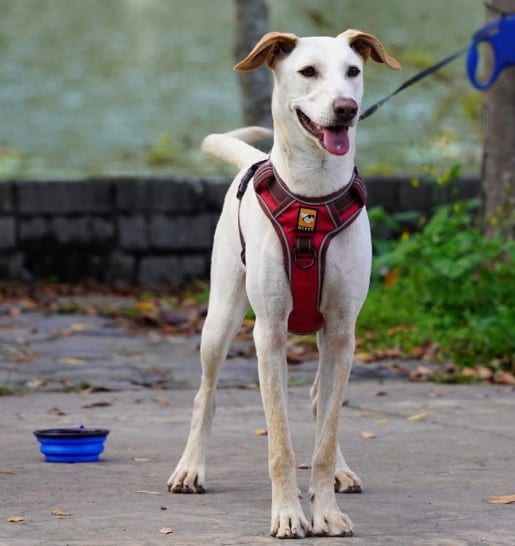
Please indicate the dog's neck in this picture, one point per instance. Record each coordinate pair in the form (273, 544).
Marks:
(308, 170)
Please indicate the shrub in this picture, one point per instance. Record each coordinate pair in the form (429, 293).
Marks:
(449, 285)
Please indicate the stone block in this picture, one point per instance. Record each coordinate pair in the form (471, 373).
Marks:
(33, 229)
(171, 270)
(133, 232)
(182, 232)
(132, 195)
(82, 196)
(156, 270)
(121, 268)
(159, 194)
(194, 267)
(7, 232)
(12, 267)
(82, 230)
(215, 190)
(175, 195)
(6, 197)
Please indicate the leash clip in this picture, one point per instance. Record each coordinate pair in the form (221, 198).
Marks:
(500, 35)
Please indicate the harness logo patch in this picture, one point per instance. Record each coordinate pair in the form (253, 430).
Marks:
(307, 219)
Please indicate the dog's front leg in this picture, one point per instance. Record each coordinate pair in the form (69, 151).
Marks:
(227, 306)
(288, 519)
(336, 350)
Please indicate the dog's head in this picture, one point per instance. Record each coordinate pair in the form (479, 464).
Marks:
(318, 82)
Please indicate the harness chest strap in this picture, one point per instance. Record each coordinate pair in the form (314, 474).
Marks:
(305, 227)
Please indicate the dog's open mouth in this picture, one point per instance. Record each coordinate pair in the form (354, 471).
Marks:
(334, 139)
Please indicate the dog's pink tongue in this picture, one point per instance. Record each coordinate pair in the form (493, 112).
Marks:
(336, 140)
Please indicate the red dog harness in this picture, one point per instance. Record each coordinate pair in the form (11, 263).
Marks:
(305, 227)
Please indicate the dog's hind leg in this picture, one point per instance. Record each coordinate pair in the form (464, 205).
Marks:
(227, 305)
(345, 480)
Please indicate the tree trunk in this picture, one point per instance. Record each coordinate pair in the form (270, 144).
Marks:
(498, 170)
(251, 24)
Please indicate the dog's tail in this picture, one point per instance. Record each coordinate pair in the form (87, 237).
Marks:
(234, 147)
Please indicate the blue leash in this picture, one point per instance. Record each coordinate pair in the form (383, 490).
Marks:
(499, 34)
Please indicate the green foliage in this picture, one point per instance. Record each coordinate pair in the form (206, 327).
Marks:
(449, 285)
(163, 151)
(5, 390)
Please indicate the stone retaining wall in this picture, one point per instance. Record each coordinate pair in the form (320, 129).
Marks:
(146, 231)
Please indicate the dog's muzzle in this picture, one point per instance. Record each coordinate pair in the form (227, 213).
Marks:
(333, 138)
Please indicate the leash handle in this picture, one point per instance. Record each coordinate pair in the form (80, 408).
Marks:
(499, 34)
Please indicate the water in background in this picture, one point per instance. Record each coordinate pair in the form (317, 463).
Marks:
(93, 87)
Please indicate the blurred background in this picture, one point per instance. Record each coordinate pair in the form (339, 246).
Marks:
(130, 87)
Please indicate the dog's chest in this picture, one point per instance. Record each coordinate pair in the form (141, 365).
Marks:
(305, 227)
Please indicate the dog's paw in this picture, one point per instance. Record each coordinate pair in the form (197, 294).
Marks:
(332, 524)
(290, 522)
(345, 481)
(186, 481)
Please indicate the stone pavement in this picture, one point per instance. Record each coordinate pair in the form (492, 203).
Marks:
(431, 457)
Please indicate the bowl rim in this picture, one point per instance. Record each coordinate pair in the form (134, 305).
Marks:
(70, 433)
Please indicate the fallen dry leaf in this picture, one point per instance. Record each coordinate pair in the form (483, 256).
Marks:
(468, 373)
(166, 530)
(364, 357)
(383, 354)
(418, 416)
(504, 378)
(368, 435)
(146, 307)
(304, 466)
(484, 373)
(79, 326)
(72, 361)
(421, 373)
(13, 312)
(163, 402)
(59, 512)
(72, 329)
(36, 383)
(382, 421)
(56, 411)
(8, 471)
(99, 404)
(504, 499)
(260, 431)
(15, 519)
(150, 492)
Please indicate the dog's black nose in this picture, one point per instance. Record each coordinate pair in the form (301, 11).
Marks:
(345, 109)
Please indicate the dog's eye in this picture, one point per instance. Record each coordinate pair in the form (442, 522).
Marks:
(308, 72)
(353, 71)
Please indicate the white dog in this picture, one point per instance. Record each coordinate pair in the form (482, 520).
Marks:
(318, 86)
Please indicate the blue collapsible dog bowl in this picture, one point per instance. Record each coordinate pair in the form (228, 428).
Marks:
(71, 445)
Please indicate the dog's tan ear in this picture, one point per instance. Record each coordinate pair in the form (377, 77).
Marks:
(267, 49)
(369, 46)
